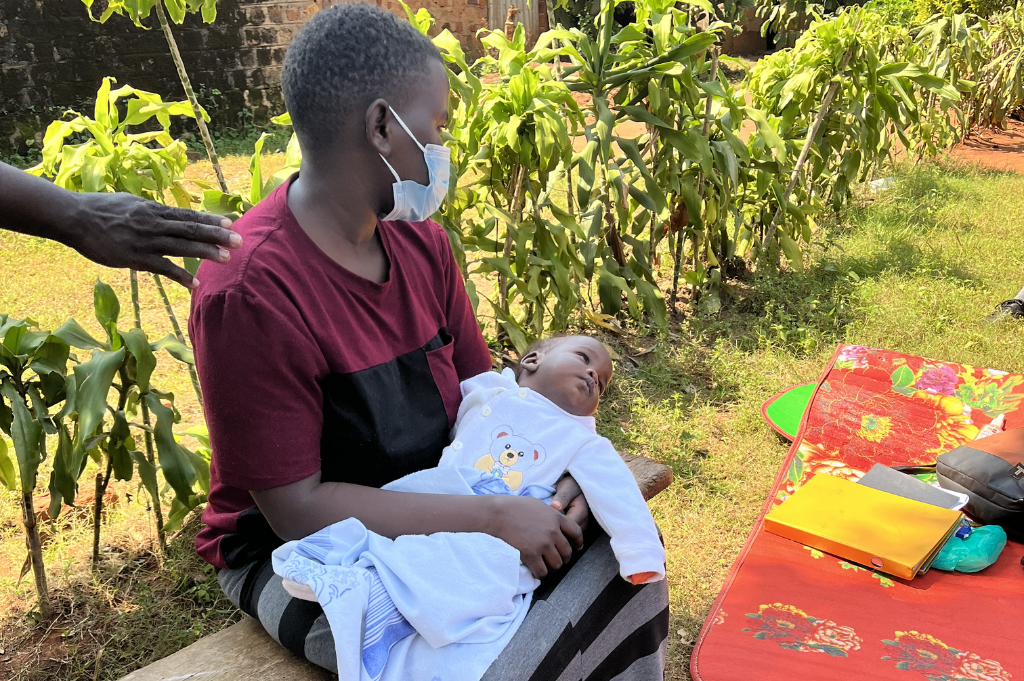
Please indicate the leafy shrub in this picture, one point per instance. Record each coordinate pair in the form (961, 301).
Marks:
(982, 8)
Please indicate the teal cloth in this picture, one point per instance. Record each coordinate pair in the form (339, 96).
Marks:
(975, 553)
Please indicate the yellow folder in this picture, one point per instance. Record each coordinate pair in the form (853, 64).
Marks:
(866, 526)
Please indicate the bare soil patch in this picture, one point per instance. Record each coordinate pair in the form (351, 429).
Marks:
(993, 148)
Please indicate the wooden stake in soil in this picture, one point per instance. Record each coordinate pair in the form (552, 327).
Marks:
(519, 177)
(177, 334)
(158, 513)
(700, 191)
(510, 22)
(204, 132)
(97, 514)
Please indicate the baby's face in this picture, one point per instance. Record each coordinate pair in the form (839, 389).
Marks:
(573, 374)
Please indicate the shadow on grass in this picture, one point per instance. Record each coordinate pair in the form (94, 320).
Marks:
(794, 314)
(133, 611)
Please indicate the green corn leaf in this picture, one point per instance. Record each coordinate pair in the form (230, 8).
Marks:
(93, 379)
(609, 294)
(102, 107)
(938, 86)
(74, 335)
(50, 357)
(202, 469)
(256, 171)
(639, 113)
(26, 433)
(692, 200)
(107, 309)
(12, 340)
(145, 361)
(175, 349)
(63, 480)
(94, 173)
(654, 302)
(70, 385)
(121, 460)
(767, 132)
(175, 10)
(209, 11)
(147, 473)
(175, 464)
(643, 199)
(792, 250)
(7, 475)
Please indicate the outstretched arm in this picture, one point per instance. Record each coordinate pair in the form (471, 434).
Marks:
(620, 509)
(115, 230)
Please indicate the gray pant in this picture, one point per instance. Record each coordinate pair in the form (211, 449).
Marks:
(585, 623)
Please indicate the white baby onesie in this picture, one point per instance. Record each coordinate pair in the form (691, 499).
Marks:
(527, 442)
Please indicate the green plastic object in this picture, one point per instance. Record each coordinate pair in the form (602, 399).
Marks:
(975, 553)
(785, 411)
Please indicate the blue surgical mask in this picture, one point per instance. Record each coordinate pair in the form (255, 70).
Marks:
(413, 201)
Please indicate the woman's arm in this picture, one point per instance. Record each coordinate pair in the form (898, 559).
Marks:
(116, 230)
(544, 537)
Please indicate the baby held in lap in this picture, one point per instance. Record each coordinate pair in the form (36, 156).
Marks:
(516, 433)
(525, 429)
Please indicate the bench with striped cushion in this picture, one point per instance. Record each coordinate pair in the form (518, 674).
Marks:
(245, 652)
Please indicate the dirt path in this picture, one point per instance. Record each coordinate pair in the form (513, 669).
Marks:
(993, 148)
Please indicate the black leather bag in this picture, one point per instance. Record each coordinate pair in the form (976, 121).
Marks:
(991, 472)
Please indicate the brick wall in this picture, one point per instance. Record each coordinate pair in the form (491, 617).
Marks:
(462, 17)
(53, 57)
(749, 41)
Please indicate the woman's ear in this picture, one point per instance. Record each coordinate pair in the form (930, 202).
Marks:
(378, 115)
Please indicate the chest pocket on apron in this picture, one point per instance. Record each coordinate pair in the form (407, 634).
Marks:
(389, 420)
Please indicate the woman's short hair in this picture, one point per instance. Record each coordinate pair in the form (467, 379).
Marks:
(345, 57)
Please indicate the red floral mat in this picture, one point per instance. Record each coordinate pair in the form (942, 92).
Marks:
(788, 612)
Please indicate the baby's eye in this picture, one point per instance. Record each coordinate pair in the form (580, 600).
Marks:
(586, 360)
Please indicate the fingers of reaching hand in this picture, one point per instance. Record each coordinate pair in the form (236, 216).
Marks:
(166, 268)
(184, 248)
(195, 226)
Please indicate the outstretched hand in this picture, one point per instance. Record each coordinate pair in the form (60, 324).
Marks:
(116, 230)
(121, 230)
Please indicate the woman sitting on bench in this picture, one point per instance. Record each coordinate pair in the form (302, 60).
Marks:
(331, 348)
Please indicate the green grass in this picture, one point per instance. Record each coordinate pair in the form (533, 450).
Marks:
(916, 269)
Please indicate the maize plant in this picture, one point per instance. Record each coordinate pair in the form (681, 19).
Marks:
(90, 408)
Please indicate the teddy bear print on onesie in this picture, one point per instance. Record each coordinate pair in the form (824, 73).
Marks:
(509, 457)
(517, 441)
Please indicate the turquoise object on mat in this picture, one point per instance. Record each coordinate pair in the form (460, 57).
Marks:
(975, 553)
(785, 411)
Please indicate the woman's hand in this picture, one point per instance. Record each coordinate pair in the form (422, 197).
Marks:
(569, 496)
(544, 537)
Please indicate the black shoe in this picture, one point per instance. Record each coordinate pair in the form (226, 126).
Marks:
(1009, 308)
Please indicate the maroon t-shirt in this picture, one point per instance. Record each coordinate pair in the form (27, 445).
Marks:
(306, 366)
